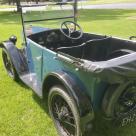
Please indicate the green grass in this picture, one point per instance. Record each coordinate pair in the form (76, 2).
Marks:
(22, 113)
(6, 6)
(112, 22)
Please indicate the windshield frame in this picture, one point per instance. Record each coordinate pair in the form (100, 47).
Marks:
(74, 16)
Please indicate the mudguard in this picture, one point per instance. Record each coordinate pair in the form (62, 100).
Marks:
(76, 90)
(112, 95)
(16, 57)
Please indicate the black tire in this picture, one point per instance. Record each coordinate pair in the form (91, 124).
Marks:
(121, 102)
(64, 112)
(9, 65)
(126, 102)
(125, 107)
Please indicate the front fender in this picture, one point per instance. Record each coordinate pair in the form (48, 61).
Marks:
(77, 91)
(15, 56)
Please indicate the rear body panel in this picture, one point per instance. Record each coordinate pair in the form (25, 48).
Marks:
(94, 76)
(51, 63)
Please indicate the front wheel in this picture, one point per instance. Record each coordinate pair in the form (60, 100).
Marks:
(63, 111)
(9, 65)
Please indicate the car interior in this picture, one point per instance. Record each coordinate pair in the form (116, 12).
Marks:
(91, 47)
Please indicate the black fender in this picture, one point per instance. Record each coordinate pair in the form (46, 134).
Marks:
(111, 96)
(16, 56)
(77, 92)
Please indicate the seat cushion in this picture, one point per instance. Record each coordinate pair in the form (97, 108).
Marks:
(96, 50)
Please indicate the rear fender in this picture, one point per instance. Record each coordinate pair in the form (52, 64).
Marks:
(76, 90)
(111, 96)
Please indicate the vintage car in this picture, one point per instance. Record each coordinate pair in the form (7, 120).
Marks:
(81, 74)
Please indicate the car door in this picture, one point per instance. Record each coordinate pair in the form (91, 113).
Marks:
(37, 55)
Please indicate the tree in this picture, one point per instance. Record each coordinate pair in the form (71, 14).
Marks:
(18, 5)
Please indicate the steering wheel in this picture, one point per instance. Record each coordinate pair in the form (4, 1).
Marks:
(69, 29)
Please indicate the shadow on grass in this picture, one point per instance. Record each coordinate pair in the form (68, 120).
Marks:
(104, 127)
(104, 14)
(84, 15)
(41, 102)
(101, 127)
(10, 18)
(22, 84)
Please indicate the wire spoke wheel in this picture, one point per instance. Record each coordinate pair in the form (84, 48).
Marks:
(126, 102)
(9, 65)
(63, 112)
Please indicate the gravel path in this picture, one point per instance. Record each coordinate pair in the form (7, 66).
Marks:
(101, 6)
(112, 6)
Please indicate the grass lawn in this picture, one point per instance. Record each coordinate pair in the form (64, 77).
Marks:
(22, 113)
(6, 6)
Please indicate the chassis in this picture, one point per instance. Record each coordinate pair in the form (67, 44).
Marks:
(80, 74)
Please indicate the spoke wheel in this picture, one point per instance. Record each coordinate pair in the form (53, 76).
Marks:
(127, 102)
(63, 112)
(9, 65)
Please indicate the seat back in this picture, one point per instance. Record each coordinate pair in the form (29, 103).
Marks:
(96, 50)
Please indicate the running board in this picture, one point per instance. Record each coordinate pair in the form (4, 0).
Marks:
(30, 79)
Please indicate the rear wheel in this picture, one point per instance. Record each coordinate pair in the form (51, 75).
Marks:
(9, 65)
(126, 102)
(119, 103)
(63, 111)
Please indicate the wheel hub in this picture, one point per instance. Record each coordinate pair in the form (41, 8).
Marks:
(63, 113)
(127, 101)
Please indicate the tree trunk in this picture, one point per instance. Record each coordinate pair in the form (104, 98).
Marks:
(18, 5)
(9, 2)
(37, 1)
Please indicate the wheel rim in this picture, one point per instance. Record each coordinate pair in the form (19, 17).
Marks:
(8, 64)
(63, 116)
(127, 102)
